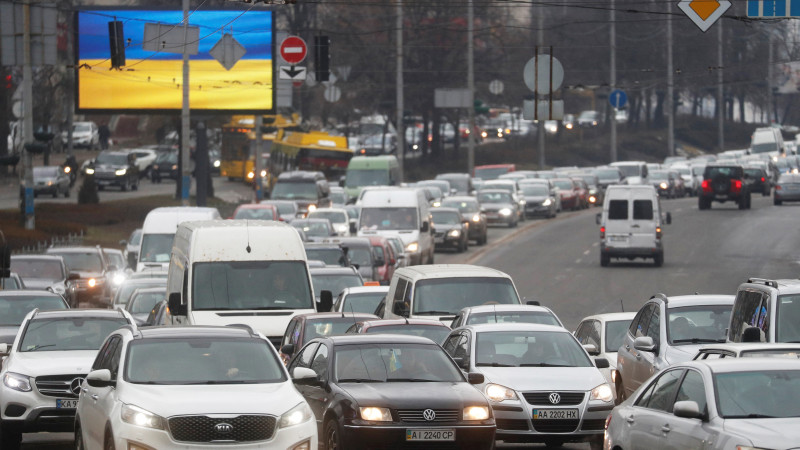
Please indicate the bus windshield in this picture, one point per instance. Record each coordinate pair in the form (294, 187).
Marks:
(366, 177)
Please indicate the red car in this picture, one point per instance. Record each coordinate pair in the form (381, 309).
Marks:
(431, 329)
(256, 211)
(385, 259)
(492, 171)
(568, 192)
(582, 190)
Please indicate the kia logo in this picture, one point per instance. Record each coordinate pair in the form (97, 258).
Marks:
(223, 428)
(75, 385)
(554, 398)
(429, 415)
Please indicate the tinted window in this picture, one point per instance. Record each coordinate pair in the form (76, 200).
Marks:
(334, 283)
(449, 295)
(750, 310)
(320, 363)
(330, 256)
(716, 172)
(326, 327)
(617, 209)
(693, 389)
(698, 324)
(250, 285)
(394, 362)
(642, 210)
(83, 262)
(788, 315)
(663, 394)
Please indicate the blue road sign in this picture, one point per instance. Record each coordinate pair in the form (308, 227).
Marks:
(773, 8)
(619, 98)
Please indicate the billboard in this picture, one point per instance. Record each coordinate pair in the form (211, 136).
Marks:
(787, 78)
(150, 81)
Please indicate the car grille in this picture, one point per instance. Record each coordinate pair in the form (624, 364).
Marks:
(512, 424)
(438, 234)
(416, 415)
(58, 385)
(593, 425)
(555, 426)
(245, 428)
(543, 398)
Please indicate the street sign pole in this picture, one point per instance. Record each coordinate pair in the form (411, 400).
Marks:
(670, 87)
(471, 88)
(401, 127)
(613, 79)
(27, 127)
(186, 173)
(258, 181)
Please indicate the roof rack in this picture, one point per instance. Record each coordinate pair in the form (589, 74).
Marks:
(661, 296)
(770, 283)
(245, 327)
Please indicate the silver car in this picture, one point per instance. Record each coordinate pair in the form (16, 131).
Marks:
(605, 333)
(730, 404)
(542, 385)
(749, 350)
(475, 315)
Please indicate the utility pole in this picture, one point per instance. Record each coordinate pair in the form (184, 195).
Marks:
(186, 173)
(540, 125)
(258, 180)
(401, 127)
(27, 123)
(613, 79)
(771, 116)
(720, 90)
(670, 86)
(470, 88)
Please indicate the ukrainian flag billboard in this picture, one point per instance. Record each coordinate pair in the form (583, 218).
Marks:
(150, 81)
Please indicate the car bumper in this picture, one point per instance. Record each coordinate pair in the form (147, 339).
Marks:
(127, 436)
(52, 189)
(491, 219)
(515, 423)
(539, 210)
(643, 252)
(793, 197)
(394, 436)
(476, 231)
(447, 241)
(109, 180)
(722, 198)
(30, 412)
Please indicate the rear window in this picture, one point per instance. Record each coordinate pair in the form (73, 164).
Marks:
(642, 210)
(617, 210)
(714, 172)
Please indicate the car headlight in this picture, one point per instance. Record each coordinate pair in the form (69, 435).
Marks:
(17, 381)
(476, 218)
(498, 393)
(50, 182)
(250, 175)
(174, 167)
(263, 173)
(216, 163)
(89, 171)
(119, 278)
(505, 212)
(295, 416)
(437, 204)
(141, 417)
(374, 414)
(592, 199)
(412, 247)
(547, 202)
(312, 208)
(454, 233)
(67, 169)
(92, 282)
(120, 172)
(476, 413)
(603, 393)
(663, 185)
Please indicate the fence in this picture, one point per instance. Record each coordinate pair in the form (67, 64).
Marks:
(70, 240)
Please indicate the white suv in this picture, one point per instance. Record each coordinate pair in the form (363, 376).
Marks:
(45, 366)
(191, 387)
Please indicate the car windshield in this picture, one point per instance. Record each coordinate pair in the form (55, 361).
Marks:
(658, 175)
(112, 159)
(460, 184)
(338, 198)
(683, 170)
(285, 207)
(365, 302)
(135, 238)
(698, 170)
(494, 197)
(366, 177)
(445, 218)
(543, 317)
(14, 309)
(291, 191)
(394, 363)
(630, 170)
(127, 289)
(330, 256)
(334, 283)
(156, 247)
(535, 190)
(45, 172)
(698, 324)
(333, 216)
(443, 296)
(529, 349)
(249, 285)
(68, 333)
(753, 173)
(168, 157)
(462, 206)
(436, 333)
(714, 172)
(143, 302)
(758, 394)
(360, 255)
(255, 214)
(790, 353)
(615, 334)
(81, 128)
(313, 228)
(82, 262)
(38, 269)
(788, 319)
(330, 326)
(202, 361)
(490, 173)
(764, 147)
(504, 186)
(115, 259)
(388, 219)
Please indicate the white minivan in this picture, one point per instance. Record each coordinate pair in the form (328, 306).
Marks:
(630, 224)
(159, 229)
(251, 272)
(635, 171)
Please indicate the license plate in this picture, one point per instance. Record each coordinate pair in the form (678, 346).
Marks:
(618, 238)
(67, 403)
(438, 240)
(431, 435)
(555, 414)
(103, 182)
(492, 216)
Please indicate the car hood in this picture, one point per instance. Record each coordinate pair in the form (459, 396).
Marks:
(447, 226)
(682, 353)
(109, 167)
(44, 179)
(208, 399)
(544, 378)
(417, 395)
(496, 206)
(86, 275)
(536, 198)
(51, 363)
(8, 333)
(772, 433)
(40, 283)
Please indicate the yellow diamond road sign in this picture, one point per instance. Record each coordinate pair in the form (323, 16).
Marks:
(704, 12)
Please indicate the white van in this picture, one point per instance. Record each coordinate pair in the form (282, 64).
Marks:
(635, 171)
(766, 140)
(251, 272)
(159, 229)
(630, 224)
(399, 212)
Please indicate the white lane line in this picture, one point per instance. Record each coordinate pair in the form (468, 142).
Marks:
(595, 244)
(578, 261)
(679, 210)
(587, 252)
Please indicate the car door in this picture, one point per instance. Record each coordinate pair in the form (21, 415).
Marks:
(94, 400)
(643, 223)
(692, 433)
(648, 363)
(304, 359)
(317, 394)
(652, 411)
(628, 358)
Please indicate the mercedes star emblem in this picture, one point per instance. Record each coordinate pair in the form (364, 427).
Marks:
(429, 415)
(75, 385)
(554, 398)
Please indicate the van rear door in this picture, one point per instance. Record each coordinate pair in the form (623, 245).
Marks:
(630, 219)
(643, 223)
(618, 220)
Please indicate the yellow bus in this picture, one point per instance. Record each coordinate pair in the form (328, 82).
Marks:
(314, 150)
(238, 142)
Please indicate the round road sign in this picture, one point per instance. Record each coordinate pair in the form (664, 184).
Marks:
(541, 83)
(496, 87)
(293, 50)
(618, 98)
(332, 94)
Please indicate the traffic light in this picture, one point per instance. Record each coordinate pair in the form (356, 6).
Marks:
(116, 40)
(8, 82)
(322, 58)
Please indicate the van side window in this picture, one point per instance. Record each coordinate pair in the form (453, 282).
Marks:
(399, 292)
(642, 210)
(617, 210)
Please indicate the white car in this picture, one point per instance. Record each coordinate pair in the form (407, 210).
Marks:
(145, 157)
(605, 332)
(728, 404)
(191, 388)
(337, 216)
(360, 299)
(45, 367)
(84, 134)
(530, 313)
(540, 382)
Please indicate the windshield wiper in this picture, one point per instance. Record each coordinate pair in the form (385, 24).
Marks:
(697, 341)
(750, 416)
(543, 365)
(413, 380)
(359, 380)
(433, 313)
(494, 364)
(37, 347)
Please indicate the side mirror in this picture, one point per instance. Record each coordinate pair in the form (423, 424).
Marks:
(475, 378)
(353, 229)
(687, 409)
(342, 180)
(400, 309)
(4, 349)
(645, 344)
(598, 218)
(100, 378)
(425, 227)
(601, 363)
(325, 301)
(123, 242)
(591, 349)
(463, 363)
(751, 334)
(379, 262)
(176, 308)
(304, 375)
(532, 302)
(668, 219)
(73, 276)
(288, 350)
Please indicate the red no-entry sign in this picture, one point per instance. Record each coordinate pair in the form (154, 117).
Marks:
(293, 50)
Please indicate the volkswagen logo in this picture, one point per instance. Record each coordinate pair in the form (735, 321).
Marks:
(223, 428)
(554, 398)
(75, 385)
(429, 415)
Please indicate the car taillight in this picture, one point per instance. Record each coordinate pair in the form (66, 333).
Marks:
(736, 186)
(658, 232)
(778, 187)
(763, 180)
(602, 232)
(706, 186)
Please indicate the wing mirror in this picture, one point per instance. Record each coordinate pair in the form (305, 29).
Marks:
(100, 379)
(645, 344)
(475, 378)
(325, 301)
(176, 308)
(601, 363)
(668, 218)
(687, 409)
(425, 227)
(599, 217)
(304, 375)
(73, 276)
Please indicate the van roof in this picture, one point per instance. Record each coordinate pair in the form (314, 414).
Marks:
(397, 196)
(229, 240)
(167, 219)
(377, 162)
(449, 271)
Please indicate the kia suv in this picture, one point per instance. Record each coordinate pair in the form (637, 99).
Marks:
(723, 183)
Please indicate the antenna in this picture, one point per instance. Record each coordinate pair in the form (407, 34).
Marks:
(494, 308)
(353, 313)
(621, 305)
(247, 229)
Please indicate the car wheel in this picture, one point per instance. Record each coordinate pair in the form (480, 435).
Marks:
(596, 443)
(79, 438)
(10, 439)
(466, 244)
(776, 202)
(66, 193)
(620, 390)
(749, 201)
(658, 259)
(125, 186)
(108, 443)
(332, 437)
(742, 203)
(604, 259)
(703, 203)
(485, 238)
(55, 193)
(100, 187)
(136, 185)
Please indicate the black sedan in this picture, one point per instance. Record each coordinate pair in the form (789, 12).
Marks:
(165, 166)
(471, 209)
(390, 391)
(451, 229)
(115, 169)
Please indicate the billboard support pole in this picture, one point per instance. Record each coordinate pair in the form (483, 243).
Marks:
(258, 180)
(27, 124)
(186, 174)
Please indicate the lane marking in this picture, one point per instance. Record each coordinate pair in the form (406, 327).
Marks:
(578, 261)
(595, 244)
(587, 252)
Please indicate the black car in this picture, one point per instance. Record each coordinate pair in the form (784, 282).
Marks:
(165, 166)
(308, 188)
(471, 209)
(758, 179)
(722, 183)
(115, 169)
(390, 391)
(93, 283)
(450, 229)
(45, 272)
